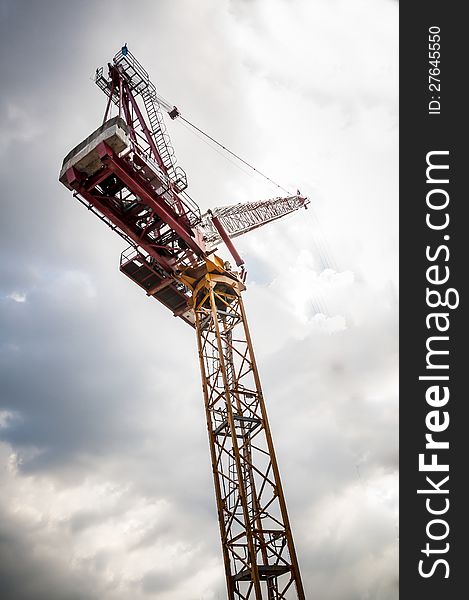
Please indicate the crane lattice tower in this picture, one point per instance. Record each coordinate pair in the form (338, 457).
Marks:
(125, 172)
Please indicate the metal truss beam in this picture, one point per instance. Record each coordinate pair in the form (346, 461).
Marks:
(258, 549)
(238, 219)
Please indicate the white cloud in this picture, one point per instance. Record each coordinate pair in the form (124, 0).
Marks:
(18, 126)
(19, 297)
(108, 484)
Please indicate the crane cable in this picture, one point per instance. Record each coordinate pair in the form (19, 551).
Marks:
(233, 154)
(233, 162)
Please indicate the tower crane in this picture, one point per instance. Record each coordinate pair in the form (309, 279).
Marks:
(126, 173)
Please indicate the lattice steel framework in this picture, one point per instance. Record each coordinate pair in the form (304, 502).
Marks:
(127, 81)
(258, 549)
(238, 219)
(126, 174)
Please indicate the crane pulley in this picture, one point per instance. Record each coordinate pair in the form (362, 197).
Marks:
(126, 173)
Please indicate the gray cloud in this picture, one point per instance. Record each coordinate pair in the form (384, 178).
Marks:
(105, 474)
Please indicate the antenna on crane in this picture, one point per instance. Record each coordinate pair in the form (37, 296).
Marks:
(125, 172)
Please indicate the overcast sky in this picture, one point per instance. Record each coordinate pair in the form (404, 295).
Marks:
(105, 480)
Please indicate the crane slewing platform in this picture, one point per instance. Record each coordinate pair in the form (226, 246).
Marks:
(125, 172)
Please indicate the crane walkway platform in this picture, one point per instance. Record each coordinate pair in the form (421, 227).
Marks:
(265, 572)
(167, 290)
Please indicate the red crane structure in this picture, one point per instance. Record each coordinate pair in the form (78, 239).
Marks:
(125, 172)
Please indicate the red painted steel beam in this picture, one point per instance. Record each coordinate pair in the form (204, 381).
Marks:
(75, 180)
(146, 131)
(229, 244)
(150, 198)
(97, 179)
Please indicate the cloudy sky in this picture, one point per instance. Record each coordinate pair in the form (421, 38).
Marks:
(105, 480)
